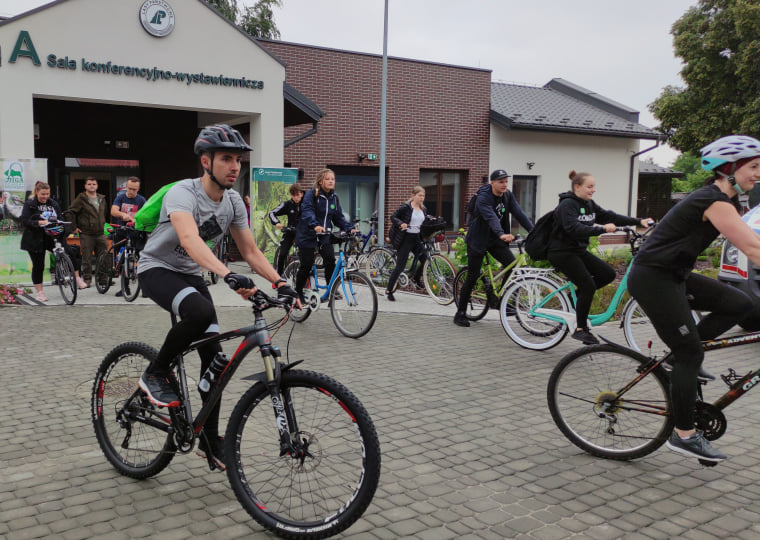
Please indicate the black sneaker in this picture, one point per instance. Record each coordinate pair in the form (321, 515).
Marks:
(695, 446)
(159, 390)
(217, 451)
(389, 296)
(581, 334)
(460, 319)
(119, 293)
(494, 301)
(702, 374)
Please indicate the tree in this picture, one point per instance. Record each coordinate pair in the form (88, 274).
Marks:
(256, 20)
(719, 43)
(694, 174)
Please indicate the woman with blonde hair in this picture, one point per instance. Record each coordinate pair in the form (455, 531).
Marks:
(405, 237)
(320, 210)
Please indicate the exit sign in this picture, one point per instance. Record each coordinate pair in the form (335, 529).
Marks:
(372, 157)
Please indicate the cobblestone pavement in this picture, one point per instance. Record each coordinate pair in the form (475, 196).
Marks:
(469, 448)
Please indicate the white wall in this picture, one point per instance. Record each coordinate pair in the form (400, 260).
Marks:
(608, 159)
(109, 30)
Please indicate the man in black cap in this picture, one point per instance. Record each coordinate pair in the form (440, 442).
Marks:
(489, 231)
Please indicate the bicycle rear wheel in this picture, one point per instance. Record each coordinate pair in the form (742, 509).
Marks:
(353, 304)
(298, 315)
(121, 412)
(66, 278)
(130, 286)
(325, 488)
(584, 403)
(103, 272)
(379, 266)
(477, 306)
(532, 331)
(438, 276)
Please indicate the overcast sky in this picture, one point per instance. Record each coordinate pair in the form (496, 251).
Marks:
(620, 49)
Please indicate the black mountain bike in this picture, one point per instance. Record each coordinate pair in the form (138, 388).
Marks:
(65, 275)
(614, 402)
(120, 261)
(301, 451)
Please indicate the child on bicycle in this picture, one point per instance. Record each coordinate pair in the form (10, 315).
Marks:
(405, 238)
(662, 281)
(489, 231)
(320, 210)
(576, 220)
(292, 209)
(195, 215)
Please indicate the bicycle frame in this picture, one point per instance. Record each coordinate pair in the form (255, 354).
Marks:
(340, 267)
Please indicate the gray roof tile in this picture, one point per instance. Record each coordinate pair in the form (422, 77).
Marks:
(529, 107)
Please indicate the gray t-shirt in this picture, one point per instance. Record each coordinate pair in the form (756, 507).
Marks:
(163, 249)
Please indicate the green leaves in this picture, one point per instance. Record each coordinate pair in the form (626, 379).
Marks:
(719, 42)
(256, 21)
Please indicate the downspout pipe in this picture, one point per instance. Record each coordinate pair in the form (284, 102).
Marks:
(631, 209)
(302, 136)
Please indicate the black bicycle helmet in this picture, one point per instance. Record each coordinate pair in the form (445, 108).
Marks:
(220, 137)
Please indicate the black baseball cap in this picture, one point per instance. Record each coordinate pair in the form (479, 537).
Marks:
(498, 174)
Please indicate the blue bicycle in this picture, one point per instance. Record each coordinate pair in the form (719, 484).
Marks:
(350, 294)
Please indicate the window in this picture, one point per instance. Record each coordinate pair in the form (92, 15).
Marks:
(524, 190)
(443, 193)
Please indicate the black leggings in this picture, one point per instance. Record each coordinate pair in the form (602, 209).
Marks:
(285, 244)
(38, 262)
(307, 257)
(410, 243)
(588, 273)
(188, 298)
(664, 300)
(499, 250)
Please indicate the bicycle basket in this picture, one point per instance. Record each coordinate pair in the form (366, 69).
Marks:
(432, 225)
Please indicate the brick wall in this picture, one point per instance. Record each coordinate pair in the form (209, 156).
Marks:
(437, 116)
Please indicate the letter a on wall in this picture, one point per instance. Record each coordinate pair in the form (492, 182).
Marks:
(25, 47)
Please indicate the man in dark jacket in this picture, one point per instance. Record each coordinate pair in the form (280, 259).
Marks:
(89, 209)
(489, 232)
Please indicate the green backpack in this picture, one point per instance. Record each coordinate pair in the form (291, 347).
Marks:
(147, 217)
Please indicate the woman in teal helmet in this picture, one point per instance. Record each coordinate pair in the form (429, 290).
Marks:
(662, 281)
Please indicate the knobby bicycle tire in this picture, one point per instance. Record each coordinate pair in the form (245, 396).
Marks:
(133, 447)
(531, 331)
(103, 267)
(583, 400)
(353, 304)
(329, 488)
(298, 315)
(477, 306)
(130, 285)
(438, 276)
(66, 278)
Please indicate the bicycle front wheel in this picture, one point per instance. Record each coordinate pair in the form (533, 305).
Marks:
(103, 272)
(379, 267)
(289, 275)
(130, 286)
(528, 329)
(477, 306)
(326, 487)
(64, 274)
(438, 276)
(353, 304)
(121, 413)
(584, 401)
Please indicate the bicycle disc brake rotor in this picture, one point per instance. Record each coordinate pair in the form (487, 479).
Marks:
(711, 420)
(310, 454)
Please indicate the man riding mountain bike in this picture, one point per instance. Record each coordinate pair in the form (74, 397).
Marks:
(195, 215)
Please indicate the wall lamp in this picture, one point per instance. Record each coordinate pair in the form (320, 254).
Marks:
(361, 157)
(530, 164)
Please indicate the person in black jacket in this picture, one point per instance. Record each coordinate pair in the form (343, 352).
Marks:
(292, 209)
(405, 237)
(577, 218)
(489, 231)
(320, 210)
(40, 210)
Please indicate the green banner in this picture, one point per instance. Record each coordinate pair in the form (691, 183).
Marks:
(273, 174)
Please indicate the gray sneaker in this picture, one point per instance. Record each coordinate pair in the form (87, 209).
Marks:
(695, 446)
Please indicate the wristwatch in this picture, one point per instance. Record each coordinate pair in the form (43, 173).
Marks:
(274, 285)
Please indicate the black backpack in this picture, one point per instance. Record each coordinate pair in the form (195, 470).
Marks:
(537, 242)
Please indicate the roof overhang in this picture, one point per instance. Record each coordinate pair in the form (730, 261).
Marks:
(507, 123)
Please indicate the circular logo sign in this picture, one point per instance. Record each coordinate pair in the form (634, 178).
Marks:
(157, 17)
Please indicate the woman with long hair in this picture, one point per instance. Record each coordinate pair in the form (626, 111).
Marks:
(405, 237)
